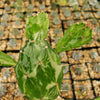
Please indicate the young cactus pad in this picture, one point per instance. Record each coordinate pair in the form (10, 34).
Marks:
(38, 72)
(37, 27)
(6, 60)
(75, 36)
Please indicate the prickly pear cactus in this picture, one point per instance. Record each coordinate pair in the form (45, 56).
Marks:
(38, 72)
(37, 27)
(75, 36)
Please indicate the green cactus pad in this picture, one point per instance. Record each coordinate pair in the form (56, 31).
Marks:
(75, 36)
(6, 60)
(37, 27)
(38, 72)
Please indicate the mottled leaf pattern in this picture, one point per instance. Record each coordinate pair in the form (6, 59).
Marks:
(38, 71)
(37, 27)
(75, 36)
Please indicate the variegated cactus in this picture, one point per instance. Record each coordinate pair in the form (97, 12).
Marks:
(75, 36)
(38, 70)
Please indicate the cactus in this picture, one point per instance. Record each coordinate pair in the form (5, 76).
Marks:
(87, 14)
(96, 68)
(93, 2)
(7, 8)
(70, 22)
(3, 89)
(77, 14)
(29, 14)
(15, 32)
(20, 15)
(5, 16)
(53, 13)
(98, 98)
(64, 9)
(13, 43)
(93, 54)
(76, 55)
(65, 68)
(56, 21)
(36, 72)
(57, 30)
(53, 6)
(83, 88)
(57, 40)
(75, 36)
(30, 7)
(94, 21)
(78, 71)
(65, 86)
(86, 6)
(4, 23)
(98, 39)
(98, 13)
(37, 27)
(41, 6)
(1, 3)
(97, 29)
(1, 33)
(97, 6)
(17, 22)
(73, 2)
(67, 13)
(7, 73)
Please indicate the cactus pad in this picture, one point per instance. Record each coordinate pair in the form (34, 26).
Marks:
(75, 36)
(38, 72)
